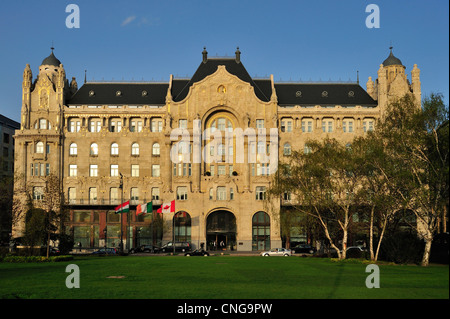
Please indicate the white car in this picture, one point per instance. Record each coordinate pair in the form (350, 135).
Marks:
(277, 252)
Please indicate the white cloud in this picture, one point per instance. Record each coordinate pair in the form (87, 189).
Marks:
(128, 20)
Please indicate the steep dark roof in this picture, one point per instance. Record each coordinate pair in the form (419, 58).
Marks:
(210, 66)
(322, 94)
(287, 93)
(51, 60)
(130, 94)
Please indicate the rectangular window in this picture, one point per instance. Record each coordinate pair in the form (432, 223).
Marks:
(155, 171)
(231, 194)
(114, 170)
(327, 126)
(135, 170)
(221, 193)
(347, 126)
(38, 193)
(155, 193)
(259, 123)
(260, 193)
(93, 170)
(368, 125)
(47, 169)
(93, 195)
(182, 193)
(134, 195)
(72, 195)
(114, 196)
(72, 170)
(182, 124)
(156, 125)
(221, 170)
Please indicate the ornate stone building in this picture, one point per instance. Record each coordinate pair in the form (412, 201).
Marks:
(111, 142)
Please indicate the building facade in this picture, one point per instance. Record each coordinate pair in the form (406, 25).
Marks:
(113, 142)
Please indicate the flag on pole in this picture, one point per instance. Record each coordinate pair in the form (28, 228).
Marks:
(123, 208)
(167, 207)
(144, 208)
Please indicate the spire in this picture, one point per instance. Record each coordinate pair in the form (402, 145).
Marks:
(205, 55)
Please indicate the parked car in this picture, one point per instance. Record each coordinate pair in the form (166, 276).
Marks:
(277, 252)
(179, 246)
(105, 251)
(197, 252)
(143, 249)
(53, 251)
(304, 249)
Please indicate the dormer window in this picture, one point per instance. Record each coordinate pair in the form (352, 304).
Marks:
(119, 93)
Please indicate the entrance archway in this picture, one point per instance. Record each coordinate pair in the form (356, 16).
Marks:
(221, 230)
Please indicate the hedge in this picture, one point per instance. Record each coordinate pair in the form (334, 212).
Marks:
(34, 259)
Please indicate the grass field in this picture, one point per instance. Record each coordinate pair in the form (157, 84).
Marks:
(220, 277)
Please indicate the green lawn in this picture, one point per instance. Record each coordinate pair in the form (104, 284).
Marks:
(219, 277)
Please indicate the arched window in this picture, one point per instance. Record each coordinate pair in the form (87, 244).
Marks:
(156, 149)
(94, 149)
(114, 149)
(135, 149)
(73, 150)
(287, 149)
(261, 231)
(182, 226)
(40, 147)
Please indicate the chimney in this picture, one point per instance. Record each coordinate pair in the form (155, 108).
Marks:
(205, 55)
(238, 55)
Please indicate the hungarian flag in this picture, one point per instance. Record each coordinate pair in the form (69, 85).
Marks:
(167, 207)
(144, 208)
(123, 208)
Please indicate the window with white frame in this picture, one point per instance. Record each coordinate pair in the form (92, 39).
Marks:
(114, 170)
(260, 192)
(114, 149)
(156, 150)
(38, 193)
(182, 123)
(134, 195)
(155, 170)
(114, 195)
(40, 147)
(156, 125)
(95, 125)
(259, 123)
(73, 149)
(347, 126)
(327, 125)
(135, 149)
(307, 125)
(93, 195)
(94, 149)
(181, 193)
(155, 193)
(116, 125)
(286, 125)
(287, 149)
(93, 170)
(72, 195)
(72, 170)
(135, 170)
(368, 125)
(221, 193)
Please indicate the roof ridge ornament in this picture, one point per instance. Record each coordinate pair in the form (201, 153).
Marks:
(238, 55)
(205, 55)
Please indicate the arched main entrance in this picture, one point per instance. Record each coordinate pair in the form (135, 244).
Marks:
(221, 230)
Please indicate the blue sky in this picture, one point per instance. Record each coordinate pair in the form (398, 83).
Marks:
(293, 40)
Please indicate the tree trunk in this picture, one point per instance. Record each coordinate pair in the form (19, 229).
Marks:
(426, 253)
(371, 235)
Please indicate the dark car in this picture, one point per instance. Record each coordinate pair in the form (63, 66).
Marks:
(105, 251)
(53, 251)
(179, 246)
(197, 252)
(304, 249)
(143, 249)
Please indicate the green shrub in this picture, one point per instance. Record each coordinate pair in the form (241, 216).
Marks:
(35, 259)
